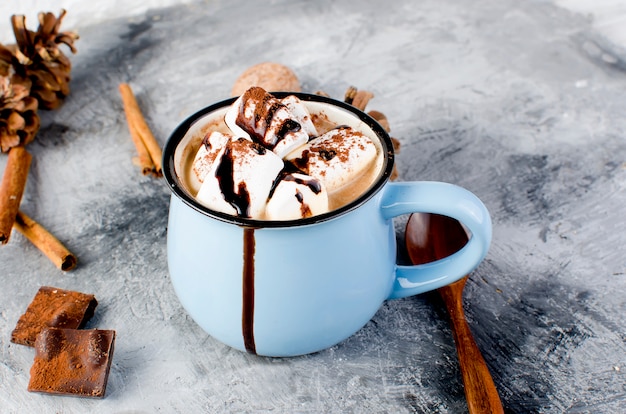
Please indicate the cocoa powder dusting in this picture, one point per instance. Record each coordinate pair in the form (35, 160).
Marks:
(332, 146)
(255, 93)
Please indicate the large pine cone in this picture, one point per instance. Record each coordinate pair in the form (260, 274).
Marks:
(19, 121)
(41, 59)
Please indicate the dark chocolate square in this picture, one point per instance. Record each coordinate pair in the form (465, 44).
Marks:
(72, 362)
(53, 307)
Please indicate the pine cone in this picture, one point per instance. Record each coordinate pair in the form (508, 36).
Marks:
(19, 121)
(41, 59)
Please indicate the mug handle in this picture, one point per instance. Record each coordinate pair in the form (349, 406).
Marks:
(445, 199)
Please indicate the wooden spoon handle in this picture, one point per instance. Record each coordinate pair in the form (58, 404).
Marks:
(480, 391)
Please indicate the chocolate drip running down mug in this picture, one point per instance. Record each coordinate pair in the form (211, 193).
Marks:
(287, 288)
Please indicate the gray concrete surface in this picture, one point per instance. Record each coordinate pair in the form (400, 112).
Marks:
(522, 103)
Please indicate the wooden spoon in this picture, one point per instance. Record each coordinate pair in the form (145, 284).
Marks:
(430, 237)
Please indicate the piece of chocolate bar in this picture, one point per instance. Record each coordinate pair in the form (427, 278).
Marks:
(53, 307)
(72, 362)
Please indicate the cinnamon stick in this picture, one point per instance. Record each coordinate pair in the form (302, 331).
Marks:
(381, 119)
(361, 98)
(12, 189)
(349, 95)
(45, 241)
(143, 159)
(140, 132)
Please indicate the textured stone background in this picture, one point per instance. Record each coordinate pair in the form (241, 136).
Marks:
(520, 102)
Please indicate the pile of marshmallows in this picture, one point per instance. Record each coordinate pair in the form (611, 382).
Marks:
(273, 165)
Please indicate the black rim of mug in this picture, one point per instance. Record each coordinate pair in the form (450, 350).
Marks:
(176, 186)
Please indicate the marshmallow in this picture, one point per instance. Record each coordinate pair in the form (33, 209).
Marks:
(230, 118)
(266, 120)
(297, 196)
(336, 158)
(240, 179)
(212, 144)
(300, 114)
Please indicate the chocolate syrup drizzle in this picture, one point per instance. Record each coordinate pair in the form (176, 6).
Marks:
(305, 209)
(247, 309)
(265, 110)
(240, 200)
(314, 185)
(286, 174)
(288, 126)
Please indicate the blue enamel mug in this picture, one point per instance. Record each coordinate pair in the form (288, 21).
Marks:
(287, 288)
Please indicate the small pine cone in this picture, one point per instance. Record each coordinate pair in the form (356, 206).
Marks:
(19, 121)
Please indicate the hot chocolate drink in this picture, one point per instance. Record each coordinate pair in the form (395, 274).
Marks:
(259, 180)
(267, 158)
